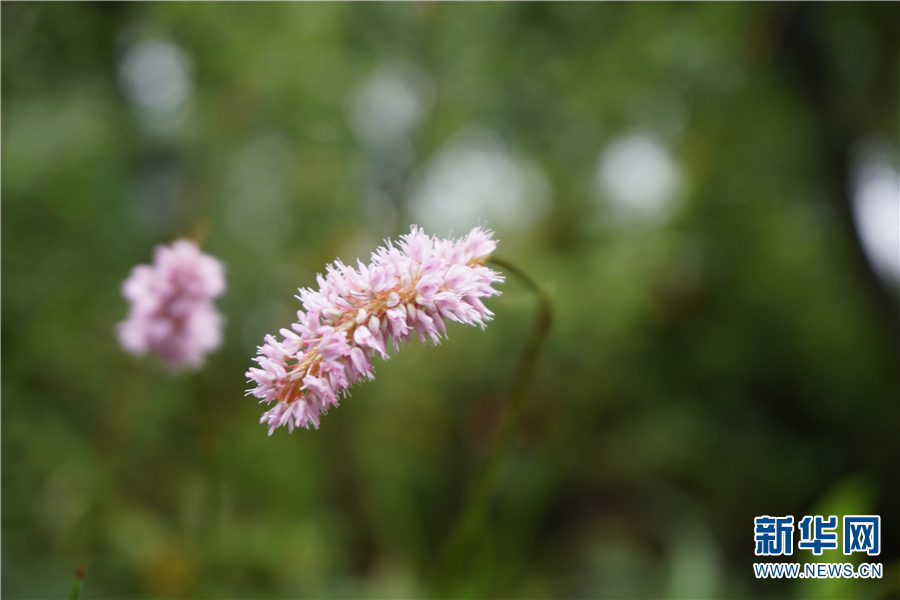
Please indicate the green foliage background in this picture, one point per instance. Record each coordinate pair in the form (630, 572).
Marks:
(739, 359)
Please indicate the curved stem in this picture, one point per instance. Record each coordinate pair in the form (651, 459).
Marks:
(465, 534)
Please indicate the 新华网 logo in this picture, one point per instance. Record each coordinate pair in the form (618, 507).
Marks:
(774, 536)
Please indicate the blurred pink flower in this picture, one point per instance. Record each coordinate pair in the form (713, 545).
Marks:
(172, 312)
(355, 314)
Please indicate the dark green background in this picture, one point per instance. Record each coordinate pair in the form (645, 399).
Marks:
(737, 360)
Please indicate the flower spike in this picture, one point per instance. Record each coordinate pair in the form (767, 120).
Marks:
(172, 313)
(408, 288)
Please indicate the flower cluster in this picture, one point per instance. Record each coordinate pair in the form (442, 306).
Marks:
(172, 312)
(408, 288)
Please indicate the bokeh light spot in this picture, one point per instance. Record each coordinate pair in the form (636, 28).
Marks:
(475, 179)
(639, 178)
(389, 104)
(156, 76)
(876, 206)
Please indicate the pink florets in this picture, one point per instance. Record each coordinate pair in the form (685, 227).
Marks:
(357, 313)
(172, 312)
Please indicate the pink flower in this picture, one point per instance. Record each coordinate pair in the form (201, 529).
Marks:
(172, 313)
(358, 313)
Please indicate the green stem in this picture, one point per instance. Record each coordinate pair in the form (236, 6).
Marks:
(200, 231)
(76, 585)
(471, 523)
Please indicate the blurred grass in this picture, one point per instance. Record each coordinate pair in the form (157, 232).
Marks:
(731, 361)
